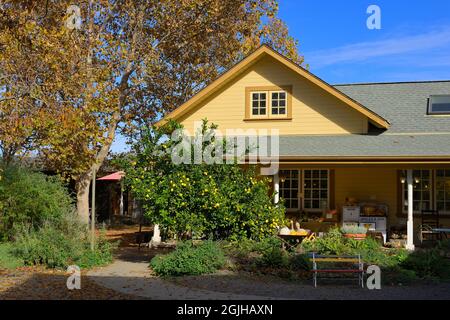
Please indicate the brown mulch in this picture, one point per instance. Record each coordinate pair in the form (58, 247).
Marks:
(37, 283)
(40, 283)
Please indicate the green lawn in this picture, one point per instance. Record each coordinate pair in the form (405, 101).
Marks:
(7, 260)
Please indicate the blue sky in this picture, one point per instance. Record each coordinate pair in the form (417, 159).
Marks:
(413, 43)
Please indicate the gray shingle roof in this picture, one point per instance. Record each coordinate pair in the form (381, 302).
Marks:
(404, 105)
(366, 145)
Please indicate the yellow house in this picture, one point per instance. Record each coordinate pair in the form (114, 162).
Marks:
(384, 147)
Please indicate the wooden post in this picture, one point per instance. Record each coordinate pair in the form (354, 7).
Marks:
(94, 174)
(410, 223)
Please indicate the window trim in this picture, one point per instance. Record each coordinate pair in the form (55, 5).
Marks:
(303, 190)
(299, 190)
(259, 116)
(443, 212)
(268, 89)
(431, 191)
(436, 113)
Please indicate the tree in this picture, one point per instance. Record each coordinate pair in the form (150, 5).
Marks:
(128, 63)
(218, 201)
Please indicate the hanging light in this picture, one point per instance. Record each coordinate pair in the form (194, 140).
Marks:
(416, 179)
(402, 178)
(282, 178)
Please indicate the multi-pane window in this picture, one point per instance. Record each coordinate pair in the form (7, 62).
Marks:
(421, 191)
(315, 186)
(259, 103)
(267, 104)
(443, 190)
(278, 101)
(289, 184)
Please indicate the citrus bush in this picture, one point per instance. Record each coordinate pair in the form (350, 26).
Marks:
(189, 259)
(220, 201)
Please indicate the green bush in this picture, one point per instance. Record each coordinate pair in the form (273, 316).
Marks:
(28, 197)
(274, 258)
(189, 259)
(299, 262)
(7, 258)
(428, 264)
(58, 244)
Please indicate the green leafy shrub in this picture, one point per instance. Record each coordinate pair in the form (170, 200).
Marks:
(428, 264)
(220, 201)
(299, 262)
(28, 197)
(189, 259)
(7, 258)
(58, 244)
(274, 258)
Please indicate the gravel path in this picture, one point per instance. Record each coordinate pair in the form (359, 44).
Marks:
(134, 278)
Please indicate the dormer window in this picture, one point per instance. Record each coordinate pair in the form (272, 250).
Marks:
(272, 102)
(439, 105)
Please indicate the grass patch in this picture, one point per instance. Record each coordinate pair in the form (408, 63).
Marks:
(7, 259)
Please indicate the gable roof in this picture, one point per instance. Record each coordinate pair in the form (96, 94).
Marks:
(413, 134)
(403, 103)
(244, 64)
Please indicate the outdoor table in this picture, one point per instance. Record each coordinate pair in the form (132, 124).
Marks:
(442, 231)
(285, 238)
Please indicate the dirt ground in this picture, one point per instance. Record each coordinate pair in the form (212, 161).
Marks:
(41, 284)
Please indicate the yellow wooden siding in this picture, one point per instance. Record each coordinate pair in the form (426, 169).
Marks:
(367, 184)
(313, 110)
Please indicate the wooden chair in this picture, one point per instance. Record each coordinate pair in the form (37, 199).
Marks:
(430, 222)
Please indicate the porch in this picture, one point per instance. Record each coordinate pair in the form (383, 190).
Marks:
(393, 193)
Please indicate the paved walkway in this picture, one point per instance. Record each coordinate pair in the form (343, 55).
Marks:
(130, 274)
(134, 278)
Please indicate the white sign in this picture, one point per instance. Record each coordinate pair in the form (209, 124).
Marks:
(74, 280)
(374, 20)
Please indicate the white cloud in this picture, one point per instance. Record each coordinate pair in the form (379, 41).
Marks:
(432, 40)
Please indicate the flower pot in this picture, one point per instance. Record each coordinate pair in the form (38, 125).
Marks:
(356, 236)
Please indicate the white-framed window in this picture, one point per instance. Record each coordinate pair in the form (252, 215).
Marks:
(442, 190)
(259, 103)
(269, 104)
(278, 101)
(289, 188)
(315, 189)
(422, 188)
(312, 184)
(439, 105)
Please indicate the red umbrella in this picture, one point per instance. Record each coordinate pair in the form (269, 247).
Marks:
(116, 176)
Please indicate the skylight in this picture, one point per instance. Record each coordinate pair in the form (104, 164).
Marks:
(439, 104)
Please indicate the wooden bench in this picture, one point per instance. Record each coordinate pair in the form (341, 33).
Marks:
(353, 265)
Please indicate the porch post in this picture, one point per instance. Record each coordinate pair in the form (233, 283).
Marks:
(121, 197)
(410, 223)
(276, 188)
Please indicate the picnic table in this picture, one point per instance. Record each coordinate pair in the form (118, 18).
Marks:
(294, 239)
(443, 232)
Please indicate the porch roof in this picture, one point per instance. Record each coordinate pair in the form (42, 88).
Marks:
(385, 145)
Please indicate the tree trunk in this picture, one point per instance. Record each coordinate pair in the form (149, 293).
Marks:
(82, 188)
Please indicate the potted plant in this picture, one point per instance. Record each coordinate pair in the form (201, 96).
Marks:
(354, 232)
